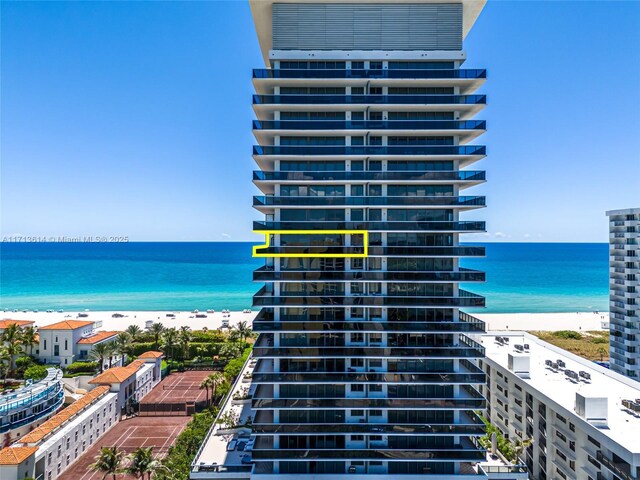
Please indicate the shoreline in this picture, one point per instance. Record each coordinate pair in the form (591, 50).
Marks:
(578, 321)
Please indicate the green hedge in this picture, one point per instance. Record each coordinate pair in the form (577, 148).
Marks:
(85, 367)
(181, 454)
(35, 372)
(234, 367)
(140, 347)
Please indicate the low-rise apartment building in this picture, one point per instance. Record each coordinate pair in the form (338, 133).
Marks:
(584, 419)
(48, 450)
(68, 341)
(28, 406)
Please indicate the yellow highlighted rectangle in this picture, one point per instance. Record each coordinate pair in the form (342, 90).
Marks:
(267, 244)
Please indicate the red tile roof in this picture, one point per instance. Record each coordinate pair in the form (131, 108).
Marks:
(63, 416)
(21, 323)
(97, 337)
(16, 455)
(66, 325)
(151, 354)
(117, 374)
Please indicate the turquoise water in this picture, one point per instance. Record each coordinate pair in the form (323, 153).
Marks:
(521, 277)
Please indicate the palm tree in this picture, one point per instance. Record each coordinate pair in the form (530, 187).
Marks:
(99, 352)
(602, 352)
(29, 338)
(244, 330)
(184, 337)
(12, 338)
(109, 461)
(170, 338)
(216, 379)
(112, 350)
(156, 330)
(206, 384)
(142, 462)
(5, 361)
(122, 344)
(134, 331)
(234, 335)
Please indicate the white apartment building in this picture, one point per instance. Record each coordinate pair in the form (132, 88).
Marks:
(584, 419)
(48, 450)
(30, 405)
(624, 291)
(68, 341)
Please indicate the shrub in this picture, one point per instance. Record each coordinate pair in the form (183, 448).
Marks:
(35, 372)
(140, 347)
(77, 367)
(567, 334)
(181, 454)
(234, 367)
(23, 362)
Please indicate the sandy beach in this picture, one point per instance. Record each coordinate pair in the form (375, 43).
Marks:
(495, 321)
(140, 318)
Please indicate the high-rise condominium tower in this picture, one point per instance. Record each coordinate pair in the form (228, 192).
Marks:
(365, 129)
(624, 291)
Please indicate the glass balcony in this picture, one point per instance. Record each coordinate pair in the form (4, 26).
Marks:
(369, 124)
(381, 352)
(368, 377)
(357, 301)
(443, 200)
(439, 150)
(375, 251)
(322, 99)
(370, 326)
(370, 176)
(265, 274)
(394, 403)
(472, 226)
(262, 73)
(370, 454)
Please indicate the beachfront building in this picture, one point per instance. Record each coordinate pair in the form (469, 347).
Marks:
(624, 291)
(133, 381)
(47, 451)
(68, 341)
(365, 133)
(583, 418)
(28, 406)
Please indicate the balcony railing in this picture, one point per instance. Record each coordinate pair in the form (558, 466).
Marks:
(265, 274)
(370, 176)
(411, 403)
(380, 352)
(340, 301)
(325, 201)
(420, 226)
(367, 326)
(371, 150)
(375, 251)
(262, 73)
(410, 99)
(382, 454)
(369, 124)
(367, 377)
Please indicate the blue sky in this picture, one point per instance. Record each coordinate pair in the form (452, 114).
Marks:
(133, 119)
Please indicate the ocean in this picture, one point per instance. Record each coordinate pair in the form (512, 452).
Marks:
(521, 277)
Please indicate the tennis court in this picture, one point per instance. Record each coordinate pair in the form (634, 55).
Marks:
(178, 387)
(128, 435)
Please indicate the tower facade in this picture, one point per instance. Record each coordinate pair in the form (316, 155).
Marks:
(624, 291)
(365, 144)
